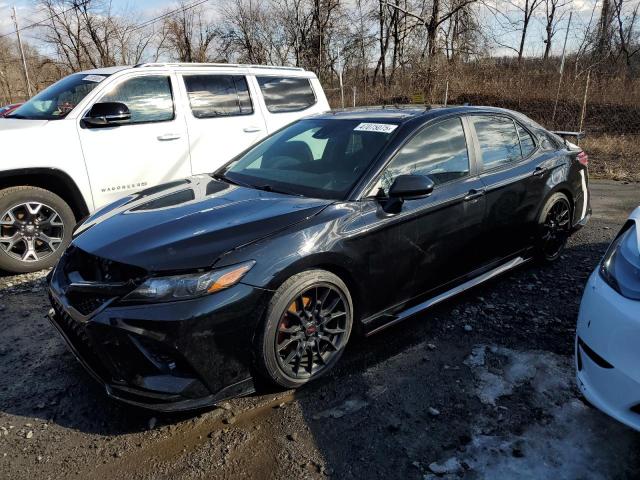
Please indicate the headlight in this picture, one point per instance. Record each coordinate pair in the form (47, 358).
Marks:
(180, 287)
(620, 267)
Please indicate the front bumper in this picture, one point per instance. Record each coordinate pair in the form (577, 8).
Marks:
(168, 356)
(608, 352)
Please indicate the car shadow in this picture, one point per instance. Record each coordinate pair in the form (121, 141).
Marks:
(404, 398)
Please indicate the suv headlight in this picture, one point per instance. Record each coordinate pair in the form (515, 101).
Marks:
(181, 287)
(620, 267)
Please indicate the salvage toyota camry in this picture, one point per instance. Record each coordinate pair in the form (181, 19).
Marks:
(185, 294)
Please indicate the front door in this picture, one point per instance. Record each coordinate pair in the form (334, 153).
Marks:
(431, 240)
(224, 118)
(151, 148)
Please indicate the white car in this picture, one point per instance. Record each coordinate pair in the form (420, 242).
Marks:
(608, 332)
(99, 135)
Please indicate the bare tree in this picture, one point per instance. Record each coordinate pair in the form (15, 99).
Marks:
(553, 15)
(626, 30)
(190, 35)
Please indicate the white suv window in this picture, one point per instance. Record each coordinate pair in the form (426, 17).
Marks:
(218, 95)
(148, 98)
(282, 94)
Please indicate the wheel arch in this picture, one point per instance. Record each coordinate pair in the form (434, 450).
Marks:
(565, 189)
(340, 265)
(51, 179)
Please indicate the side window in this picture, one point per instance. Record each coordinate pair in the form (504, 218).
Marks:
(527, 144)
(547, 142)
(439, 151)
(498, 140)
(148, 98)
(218, 95)
(282, 94)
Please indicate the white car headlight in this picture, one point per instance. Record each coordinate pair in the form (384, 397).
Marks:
(620, 267)
(180, 287)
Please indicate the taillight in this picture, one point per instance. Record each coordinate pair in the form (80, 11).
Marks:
(583, 158)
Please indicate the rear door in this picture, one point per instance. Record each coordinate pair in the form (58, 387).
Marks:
(223, 117)
(149, 149)
(513, 175)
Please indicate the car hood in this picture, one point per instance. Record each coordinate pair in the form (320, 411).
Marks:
(188, 224)
(20, 124)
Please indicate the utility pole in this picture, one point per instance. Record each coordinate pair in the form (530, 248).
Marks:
(564, 49)
(24, 61)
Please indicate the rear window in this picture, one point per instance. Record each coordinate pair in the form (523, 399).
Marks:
(285, 94)
(218, 95)
(527, 144)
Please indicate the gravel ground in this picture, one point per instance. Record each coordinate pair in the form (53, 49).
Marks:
(479, 387)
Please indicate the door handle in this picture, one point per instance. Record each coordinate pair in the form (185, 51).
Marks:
(539, 171)
(473, 194)
(168, 136)
(251, 129)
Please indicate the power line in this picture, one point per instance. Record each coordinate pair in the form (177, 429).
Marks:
(151, 21)
(41, 22)
(146, 23)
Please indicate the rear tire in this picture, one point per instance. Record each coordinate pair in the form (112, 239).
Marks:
(305, 330)
(554, 227)
(35, 228)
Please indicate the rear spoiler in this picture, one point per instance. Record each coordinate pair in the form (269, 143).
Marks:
(565, 134)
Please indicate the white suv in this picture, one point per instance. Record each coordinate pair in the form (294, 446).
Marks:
(98, 135)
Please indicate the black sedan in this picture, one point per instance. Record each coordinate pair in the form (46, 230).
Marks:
(185, 294)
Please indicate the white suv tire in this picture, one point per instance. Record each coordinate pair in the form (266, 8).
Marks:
(35, 228)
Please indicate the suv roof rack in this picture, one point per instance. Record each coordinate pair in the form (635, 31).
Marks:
(233, 65)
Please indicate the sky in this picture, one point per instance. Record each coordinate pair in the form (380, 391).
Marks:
(29, 12)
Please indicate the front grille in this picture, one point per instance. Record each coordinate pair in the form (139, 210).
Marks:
(80, 266)
(77, 334)
(96, 269)
(86, 303)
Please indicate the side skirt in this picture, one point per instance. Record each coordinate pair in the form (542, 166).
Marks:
(403, 315)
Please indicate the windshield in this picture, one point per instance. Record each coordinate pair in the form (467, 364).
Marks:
(59, 99)
(321, 158)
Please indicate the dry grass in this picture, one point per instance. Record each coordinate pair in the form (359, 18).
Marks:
(614, 156)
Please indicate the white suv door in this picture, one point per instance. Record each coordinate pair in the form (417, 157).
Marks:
(151, 148)
(224, 117)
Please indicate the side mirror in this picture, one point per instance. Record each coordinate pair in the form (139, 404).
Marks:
(107, 114)
(406, 187)
(410, 187)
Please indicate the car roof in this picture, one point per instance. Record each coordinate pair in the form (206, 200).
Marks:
(104, 71)
(405, 113)
(254, 69)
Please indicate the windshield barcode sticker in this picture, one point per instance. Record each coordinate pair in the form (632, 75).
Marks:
(376, 127)
(93, 78)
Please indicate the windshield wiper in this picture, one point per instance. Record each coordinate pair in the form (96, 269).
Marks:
(265, 187)
(224, 178)
(269, 188)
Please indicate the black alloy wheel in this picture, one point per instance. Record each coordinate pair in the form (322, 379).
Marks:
(555, 227)
(311, 331)
(307, 327)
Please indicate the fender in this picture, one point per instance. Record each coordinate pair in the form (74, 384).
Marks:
(51, 179)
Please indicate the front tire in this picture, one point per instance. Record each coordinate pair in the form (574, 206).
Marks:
(305, 330)
(35, 228)
(554, 227)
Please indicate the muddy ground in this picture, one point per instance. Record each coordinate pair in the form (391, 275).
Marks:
(479, 387)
